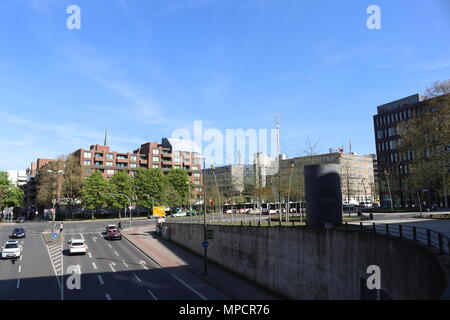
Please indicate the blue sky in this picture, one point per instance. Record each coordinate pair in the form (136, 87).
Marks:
(145, 68)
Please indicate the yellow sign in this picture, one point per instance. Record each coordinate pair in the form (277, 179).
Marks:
(159, 211)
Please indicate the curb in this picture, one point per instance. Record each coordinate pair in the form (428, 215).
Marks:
(145, 253)
(49, 241)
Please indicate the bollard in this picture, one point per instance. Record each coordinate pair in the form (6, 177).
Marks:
(242, 223)
(293, 223)
(374, 228)
(428, 238)
(279, 223)
(414, 234)
(361, 226)
(346, 225)
(387, 229)
(400, 231)
(250, 223)
(269, 221)
(259, 223)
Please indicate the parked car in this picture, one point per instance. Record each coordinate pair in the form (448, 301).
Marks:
(77, 246)
(180, 214)
(11, 249)
(18, 233)
(113, 234)
(20, 220)
(349, 207)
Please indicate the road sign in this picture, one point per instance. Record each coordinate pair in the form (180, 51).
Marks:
(54, 235)
(210, 234)
(423, 190)
(205, 244)
(159, 211)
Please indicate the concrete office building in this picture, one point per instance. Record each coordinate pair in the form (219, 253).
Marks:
(393, 165)
(17, 177)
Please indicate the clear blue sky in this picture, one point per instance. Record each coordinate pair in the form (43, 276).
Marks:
(144, 68)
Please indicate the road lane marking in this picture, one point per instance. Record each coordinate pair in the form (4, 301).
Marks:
(20, 268)
(109, 244)
(112, 268)
(137, 278)
(154, 297)
(18, 283)
(125, 263)
(90, 255)
(189, 287)
(108, 296)
(100, 279)
(142, 263)
(20, 258)
(53, 265)
(116, 253)
(93, 264)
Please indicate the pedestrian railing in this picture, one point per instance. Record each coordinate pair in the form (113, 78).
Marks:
(427, 237)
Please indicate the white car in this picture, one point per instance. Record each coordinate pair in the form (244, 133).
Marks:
(11, 249)
(77, 246)
(180, 214)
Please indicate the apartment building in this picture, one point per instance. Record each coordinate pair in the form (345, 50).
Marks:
(30, 187)
(169, 154)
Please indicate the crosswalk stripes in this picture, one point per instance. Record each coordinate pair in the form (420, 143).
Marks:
(56, 258)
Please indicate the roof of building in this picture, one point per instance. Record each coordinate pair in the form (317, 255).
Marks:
(184, 145)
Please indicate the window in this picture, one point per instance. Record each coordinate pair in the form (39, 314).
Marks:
(197, 182)
(156, 159)
(87, 155)
(155, 166)
(110, 172)
(177, 159)
(380, 134)
(110, 156)
(87, 162)
(155, 151)
(133, 165)
(109, 163)
(194, 168)
(197, 175)
(122, 165)
(177, 167)
(144, 158)
(122, 156)
(133, 158)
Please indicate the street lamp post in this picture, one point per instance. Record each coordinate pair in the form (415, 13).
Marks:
(386, 173)
(204, 220)
(288, 211)
(56, 195)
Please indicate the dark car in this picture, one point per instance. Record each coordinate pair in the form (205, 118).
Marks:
(18, 233)
(114, 234)
(20, 220)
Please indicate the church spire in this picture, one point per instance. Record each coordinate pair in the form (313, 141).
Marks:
(105, 143)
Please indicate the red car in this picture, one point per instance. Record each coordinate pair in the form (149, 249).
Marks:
(113, 234)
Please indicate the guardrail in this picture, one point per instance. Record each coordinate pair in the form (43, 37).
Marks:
(424, 236)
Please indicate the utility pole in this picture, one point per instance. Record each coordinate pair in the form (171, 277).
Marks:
(277, 127)
(386, 173)
(205, 267)
(288, 207)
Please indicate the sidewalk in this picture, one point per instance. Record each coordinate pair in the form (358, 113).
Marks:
(168, 254)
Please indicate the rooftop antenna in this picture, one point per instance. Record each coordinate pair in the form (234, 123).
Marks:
(350, 146)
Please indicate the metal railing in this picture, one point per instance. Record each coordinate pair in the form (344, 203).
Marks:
(424, 236)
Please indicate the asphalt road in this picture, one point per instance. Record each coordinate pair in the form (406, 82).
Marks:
(110, 270)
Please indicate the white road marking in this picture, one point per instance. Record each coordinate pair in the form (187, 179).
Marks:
(90, 255)
(20, 257)
(54, 269)
(109, 245)
(116, 253)
(189, 287)
(125, 263)
(93, 264)
(142, 263)
(82, 237)
(137, 278)
(108, 296)
(112, 268)
(18, 283)
(100, 279)
(20, 268)
(154, 297)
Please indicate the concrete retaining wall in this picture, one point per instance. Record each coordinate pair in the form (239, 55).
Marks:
(319, 264)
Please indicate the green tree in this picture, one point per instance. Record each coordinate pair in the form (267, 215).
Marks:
(178, 180)
(149, 185)
(425, 141)
(10, 195)
(92, 187)
(121, 182)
